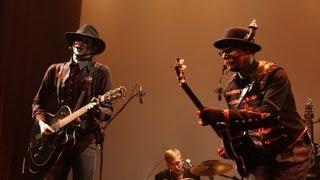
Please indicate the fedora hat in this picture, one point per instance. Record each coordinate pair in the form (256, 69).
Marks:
(235, 37)
(86, 31)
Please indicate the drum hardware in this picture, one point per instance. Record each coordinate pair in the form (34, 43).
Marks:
(211, 168)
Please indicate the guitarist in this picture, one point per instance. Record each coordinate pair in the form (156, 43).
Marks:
(74, 83)
(265, 128)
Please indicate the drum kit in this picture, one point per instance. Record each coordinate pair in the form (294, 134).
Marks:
(211, 168)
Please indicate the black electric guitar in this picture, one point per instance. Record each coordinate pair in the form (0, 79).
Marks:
(220, 127)
(44, 150)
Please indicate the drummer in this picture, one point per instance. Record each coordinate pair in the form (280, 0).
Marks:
(176, 168)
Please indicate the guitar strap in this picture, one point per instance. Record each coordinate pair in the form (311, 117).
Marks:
(244, 91)
(83, 92)
(263, 68)
(87, 84)
(93, 71)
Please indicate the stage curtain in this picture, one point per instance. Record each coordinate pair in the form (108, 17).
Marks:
(31, 38)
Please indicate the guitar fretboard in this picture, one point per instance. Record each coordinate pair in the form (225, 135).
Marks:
(63, 122)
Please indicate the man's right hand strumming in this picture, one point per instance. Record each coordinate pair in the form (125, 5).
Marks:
(45, 129)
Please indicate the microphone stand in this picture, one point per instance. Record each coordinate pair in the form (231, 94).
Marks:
(133, 94)
(154, 168)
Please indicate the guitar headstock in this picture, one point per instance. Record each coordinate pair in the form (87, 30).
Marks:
(114, 94)
(180, 67)
(308, 110)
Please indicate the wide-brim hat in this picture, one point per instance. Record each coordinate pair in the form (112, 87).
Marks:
(86, 31)
(235, 37)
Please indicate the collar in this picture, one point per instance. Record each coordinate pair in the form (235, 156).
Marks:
(82, 64)
(248, 70)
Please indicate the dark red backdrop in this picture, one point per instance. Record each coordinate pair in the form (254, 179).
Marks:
(31, 38)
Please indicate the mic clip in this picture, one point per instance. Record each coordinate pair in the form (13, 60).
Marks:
(188, 162)
(140, 94)
(219, 89)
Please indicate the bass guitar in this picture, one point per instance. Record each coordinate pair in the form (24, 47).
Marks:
(44, 150)
(219, 127)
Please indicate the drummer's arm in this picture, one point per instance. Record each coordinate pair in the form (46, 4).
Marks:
(222, 153)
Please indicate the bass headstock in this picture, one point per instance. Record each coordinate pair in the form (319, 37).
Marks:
(308, 110)
(180, 67)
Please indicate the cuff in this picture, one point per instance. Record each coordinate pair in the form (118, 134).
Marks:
(226, 115)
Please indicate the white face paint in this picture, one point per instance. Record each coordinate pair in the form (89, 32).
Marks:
(82, 47)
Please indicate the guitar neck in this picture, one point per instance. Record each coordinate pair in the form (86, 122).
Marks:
(192, 96)
(63, 122)
(309, 122)
(197, 102)
(309, 115)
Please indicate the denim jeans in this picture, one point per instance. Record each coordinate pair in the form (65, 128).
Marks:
(80, 158)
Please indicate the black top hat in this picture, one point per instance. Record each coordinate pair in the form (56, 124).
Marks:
(87, 31)
(235, 37)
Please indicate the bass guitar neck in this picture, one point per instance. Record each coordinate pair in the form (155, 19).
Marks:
(219, 127)
(192, 96)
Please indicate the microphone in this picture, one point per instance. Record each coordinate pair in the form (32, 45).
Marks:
(219, 91)
(188, 161)
(141, 93)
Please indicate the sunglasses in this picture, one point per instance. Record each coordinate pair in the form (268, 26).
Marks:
(229, 52)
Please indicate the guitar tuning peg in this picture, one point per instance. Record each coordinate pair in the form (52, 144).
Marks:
(180, 60)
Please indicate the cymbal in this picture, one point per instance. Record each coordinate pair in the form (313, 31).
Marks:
(211, 167)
